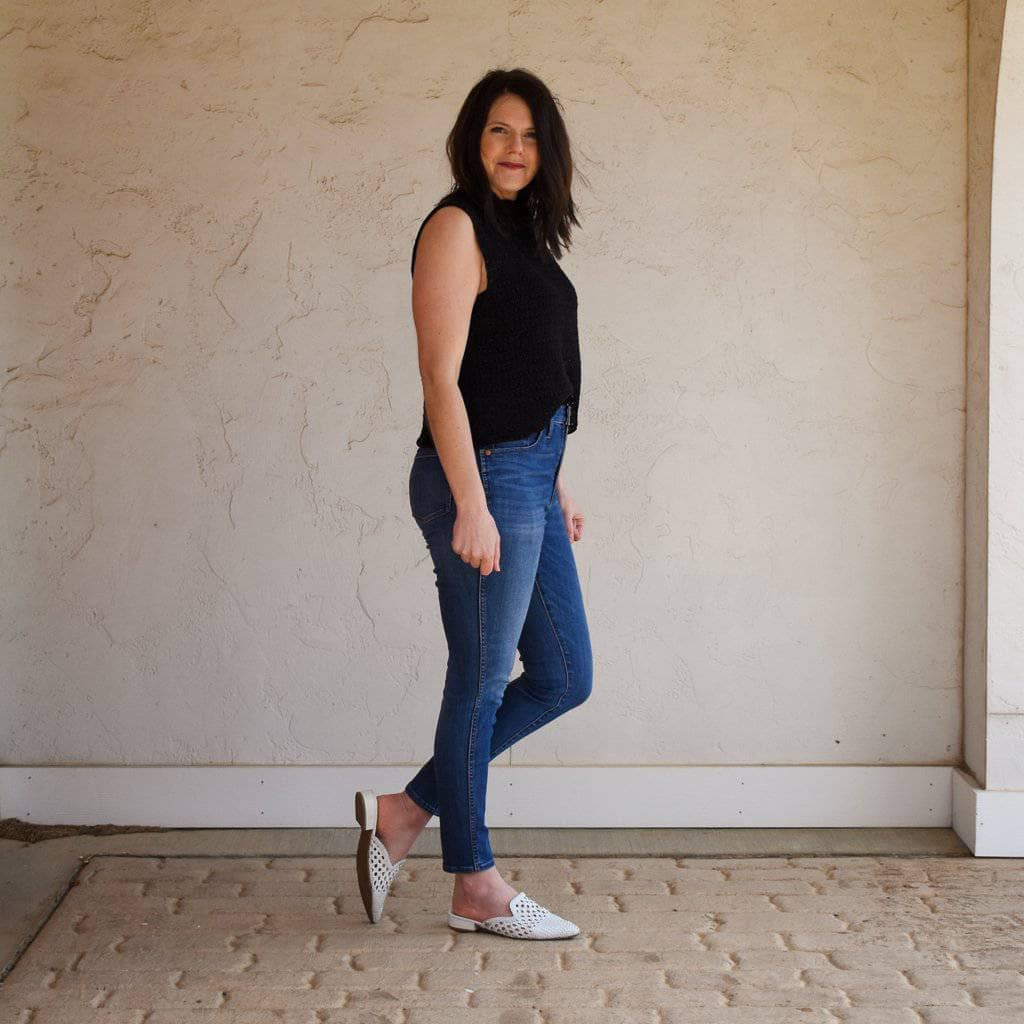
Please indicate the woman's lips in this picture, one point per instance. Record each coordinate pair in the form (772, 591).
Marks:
(513, 167)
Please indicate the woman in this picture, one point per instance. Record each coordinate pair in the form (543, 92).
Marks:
(499, 361)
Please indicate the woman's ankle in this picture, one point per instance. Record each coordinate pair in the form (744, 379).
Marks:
(412, 810)
(400, 815)
(481, 894)
(470, 883)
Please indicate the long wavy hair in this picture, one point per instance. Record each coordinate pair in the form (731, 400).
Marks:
(547, 199)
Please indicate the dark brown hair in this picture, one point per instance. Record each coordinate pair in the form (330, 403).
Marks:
(548, 197)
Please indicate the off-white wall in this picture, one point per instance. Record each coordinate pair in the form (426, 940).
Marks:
(988, 793)
(211, 394)
(985, 42)
(1005, 609)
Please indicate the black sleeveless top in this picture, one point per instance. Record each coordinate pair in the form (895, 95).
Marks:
(522, 358)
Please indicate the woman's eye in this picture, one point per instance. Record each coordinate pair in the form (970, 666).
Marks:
(529, 135)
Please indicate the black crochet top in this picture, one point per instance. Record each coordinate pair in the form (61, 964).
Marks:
(522, 358)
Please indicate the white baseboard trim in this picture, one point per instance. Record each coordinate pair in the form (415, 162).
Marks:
(989, 821)
(314, 796)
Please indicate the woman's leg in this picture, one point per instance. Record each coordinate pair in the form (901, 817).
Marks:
(483, 619)
(555, 649)
(545, 619)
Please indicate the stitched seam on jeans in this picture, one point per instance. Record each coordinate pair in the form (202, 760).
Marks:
(482, 655)
(449, 867)
(501, 447)
(565, 663)
(554, 483)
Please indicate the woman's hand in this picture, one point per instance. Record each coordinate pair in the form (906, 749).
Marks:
(475, 539)
(570, 513)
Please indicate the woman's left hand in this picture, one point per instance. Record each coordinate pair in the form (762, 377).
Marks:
(571, 514)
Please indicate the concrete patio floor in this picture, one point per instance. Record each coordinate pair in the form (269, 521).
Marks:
(747, 926)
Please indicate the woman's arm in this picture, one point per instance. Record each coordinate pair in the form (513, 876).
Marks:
(446, 279)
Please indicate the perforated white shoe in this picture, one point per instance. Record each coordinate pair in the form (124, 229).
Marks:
(529, 920)
(373, 864)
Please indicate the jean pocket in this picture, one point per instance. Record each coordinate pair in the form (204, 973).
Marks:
(429, 493)
(520, 444)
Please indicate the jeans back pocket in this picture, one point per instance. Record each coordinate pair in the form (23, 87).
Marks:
(429, 493)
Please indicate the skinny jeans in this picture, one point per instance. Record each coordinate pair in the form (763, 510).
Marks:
(534, 604)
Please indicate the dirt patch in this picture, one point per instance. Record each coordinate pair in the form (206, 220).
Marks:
(28, 832)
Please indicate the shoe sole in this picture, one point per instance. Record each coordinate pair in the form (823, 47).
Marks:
(366, 815)
(464, 924)
(468, 924)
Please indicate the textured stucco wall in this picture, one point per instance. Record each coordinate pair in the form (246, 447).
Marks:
(210, 393)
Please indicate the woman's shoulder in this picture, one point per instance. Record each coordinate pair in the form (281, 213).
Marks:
(458, 198)
(461, 198)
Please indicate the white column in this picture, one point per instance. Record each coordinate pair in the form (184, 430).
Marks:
(988, 799)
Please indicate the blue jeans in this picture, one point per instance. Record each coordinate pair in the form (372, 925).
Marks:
(534, 603)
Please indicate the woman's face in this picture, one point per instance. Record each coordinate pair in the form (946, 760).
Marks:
(508, 146)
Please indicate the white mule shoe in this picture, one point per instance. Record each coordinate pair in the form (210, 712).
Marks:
(373, 865)
(529, 920)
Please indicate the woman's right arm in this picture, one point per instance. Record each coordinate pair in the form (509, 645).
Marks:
(446, 279)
